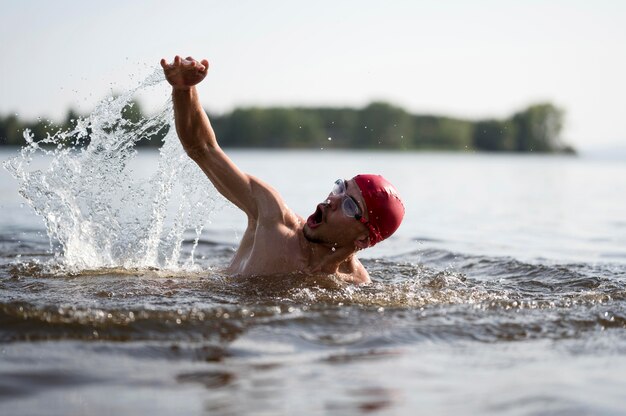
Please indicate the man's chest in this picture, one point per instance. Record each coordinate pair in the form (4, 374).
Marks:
(273, 249)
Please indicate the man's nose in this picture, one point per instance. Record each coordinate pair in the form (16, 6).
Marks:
(334, 201)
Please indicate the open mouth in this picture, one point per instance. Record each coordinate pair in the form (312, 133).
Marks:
(316, 218)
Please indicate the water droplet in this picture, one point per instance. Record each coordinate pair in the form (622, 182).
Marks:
(135, 204)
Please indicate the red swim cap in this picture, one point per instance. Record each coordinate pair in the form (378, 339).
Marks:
(384, 206)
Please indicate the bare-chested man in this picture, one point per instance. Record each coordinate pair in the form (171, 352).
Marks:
(358, 213)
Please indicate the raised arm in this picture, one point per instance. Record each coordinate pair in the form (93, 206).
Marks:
(199, 141)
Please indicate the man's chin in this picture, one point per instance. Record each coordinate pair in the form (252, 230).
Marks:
(310, 235)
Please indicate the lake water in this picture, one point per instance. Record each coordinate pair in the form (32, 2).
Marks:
(503, 292)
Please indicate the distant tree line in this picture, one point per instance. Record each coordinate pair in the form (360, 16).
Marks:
(377, 126)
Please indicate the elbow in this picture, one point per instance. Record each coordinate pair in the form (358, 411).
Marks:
(197, 152)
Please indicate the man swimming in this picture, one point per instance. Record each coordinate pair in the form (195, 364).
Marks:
(358, 213)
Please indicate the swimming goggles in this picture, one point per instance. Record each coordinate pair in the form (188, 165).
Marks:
(349, 206)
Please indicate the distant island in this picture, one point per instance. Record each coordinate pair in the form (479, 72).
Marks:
(379, 125)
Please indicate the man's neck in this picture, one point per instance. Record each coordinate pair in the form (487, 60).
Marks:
(324, 258)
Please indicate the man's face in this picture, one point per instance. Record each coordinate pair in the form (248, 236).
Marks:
(330, 223)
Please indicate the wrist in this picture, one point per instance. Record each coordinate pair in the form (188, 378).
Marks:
(183, 90)
(182, 87)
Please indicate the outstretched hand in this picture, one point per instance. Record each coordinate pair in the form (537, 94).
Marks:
(184, 73)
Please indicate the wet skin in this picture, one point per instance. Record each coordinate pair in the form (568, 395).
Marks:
(276, 241)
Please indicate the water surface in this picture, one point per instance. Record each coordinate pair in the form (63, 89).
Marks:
(503, 292)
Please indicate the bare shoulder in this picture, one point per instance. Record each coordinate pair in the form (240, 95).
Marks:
(353, 271)
(271, 207)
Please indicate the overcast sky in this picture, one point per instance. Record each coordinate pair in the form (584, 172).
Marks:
(469, 59)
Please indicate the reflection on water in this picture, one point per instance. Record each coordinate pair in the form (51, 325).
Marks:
(216, 344)
(407, 303)
(165, 340)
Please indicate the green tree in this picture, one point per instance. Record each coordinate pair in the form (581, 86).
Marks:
(11, 130)
(494, 135)
(337, 123)
(382, 125)
(442, 133)
(271, 127)
(537, 128)
(454, 134)
(379, 125)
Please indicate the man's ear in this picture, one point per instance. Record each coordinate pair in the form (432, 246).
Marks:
(362, 242)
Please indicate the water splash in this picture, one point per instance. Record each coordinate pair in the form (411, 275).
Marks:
(98, 210)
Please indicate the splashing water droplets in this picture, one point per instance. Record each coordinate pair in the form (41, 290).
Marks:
(99, 212)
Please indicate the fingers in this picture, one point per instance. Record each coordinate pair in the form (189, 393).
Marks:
(176, 62)
(202, 66)
(193, 63)
(205, 63)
